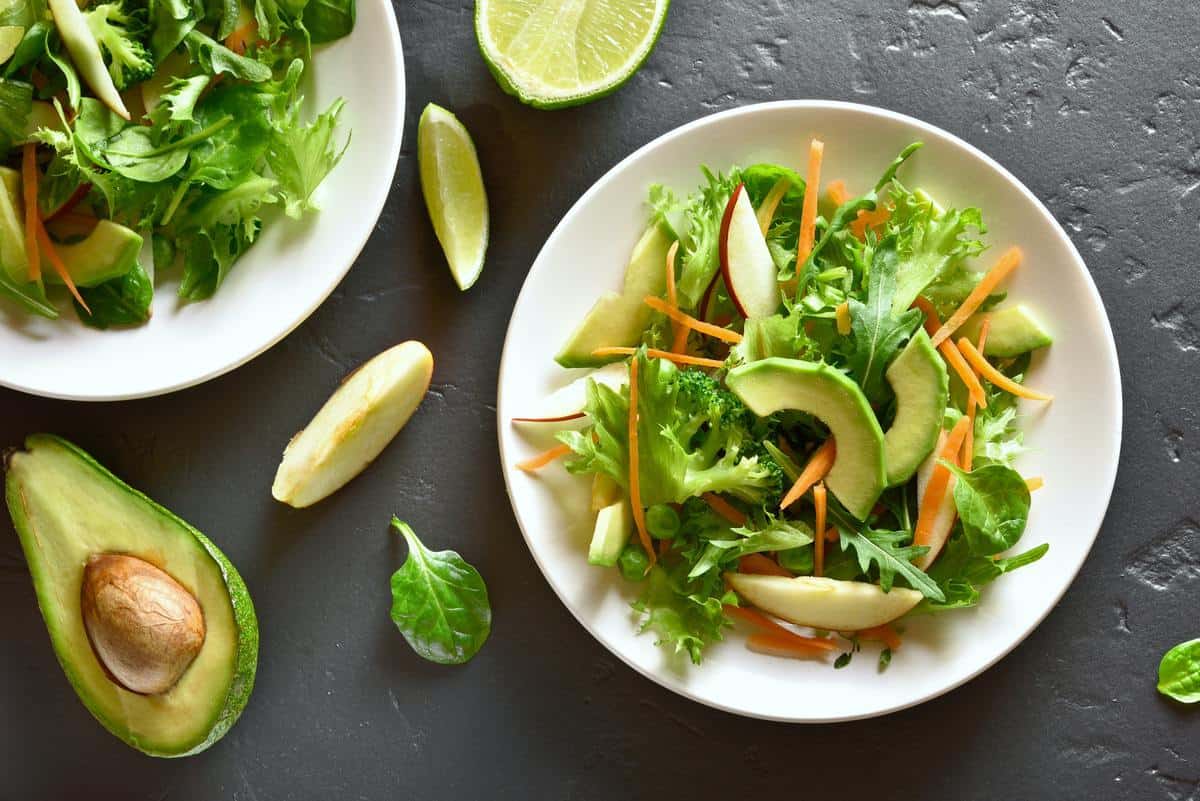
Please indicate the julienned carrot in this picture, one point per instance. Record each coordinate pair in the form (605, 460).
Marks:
(808, 212)
(843, 318)
(884, 634)
(951, 354)
(836, 192)
(47, 249)
(242, 37)
(679, 340)
(29, 187)
(775, 645)
(820, 502)
(755, 618)
(995, 377)
(932, 321)
(832, 534)
(991, 279)
(819, 464)
(757, 564)
(635, 483)
(1035, 483)
(655, 353)
(968, 454)
(724, 508)
(869, 219)
(939, 484)
(766, 212)
(684, 320)
(544, 458)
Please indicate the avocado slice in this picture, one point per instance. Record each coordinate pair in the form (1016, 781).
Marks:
(618, 319)
(108, 252)
(614, 526)
(1014, 330)
(918, 377)
(858, 475)
(70, 512)
(13, 259)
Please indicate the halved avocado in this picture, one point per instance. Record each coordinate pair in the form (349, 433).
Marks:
(858, 475)
(618, 319)
(108, 252)
(1014, 330)
(13, 259)
(918, 377)
(73, 517)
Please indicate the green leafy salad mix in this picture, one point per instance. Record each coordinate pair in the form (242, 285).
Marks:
(178, 122)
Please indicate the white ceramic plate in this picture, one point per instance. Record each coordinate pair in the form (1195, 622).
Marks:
(274, 287)
(1075, 441)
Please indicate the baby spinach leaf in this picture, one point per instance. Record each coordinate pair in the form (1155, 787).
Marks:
(301, 156)
(171, 22)
(439, 603)
(121, 301)
(133, 153)
(876, 332)
(993, 504)
(327, 20)
(1179, 673)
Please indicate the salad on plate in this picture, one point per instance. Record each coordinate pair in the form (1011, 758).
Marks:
(801, 412)
(173, 124)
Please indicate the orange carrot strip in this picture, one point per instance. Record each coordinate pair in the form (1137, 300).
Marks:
(843, 318)
(869, 219)
(818, 465)
(968, 454)
(724, 508)
(997, 378)
(766, 212)
(29, 181)
(655, 353)
(836, 192)
(991, 279)
(832, 534)
(932, 321)
(808, 212)
(679, 343)
(884, 634)
(759, 565)
(47, 248)
(1035, 483)
(688, 321)
(242, 37)
(755, 618)
(774, 645)
(820, 503)
(544, 458)
(939, 483)
(635, 484)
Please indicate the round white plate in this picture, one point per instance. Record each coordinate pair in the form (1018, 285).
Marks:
(279, 282)
(1075, 441)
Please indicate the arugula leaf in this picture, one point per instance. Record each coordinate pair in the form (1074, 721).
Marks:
(777, 535)
(31, 296)
(300, 156)
(877, 333)
(439, 602)
(1179, 673)
(178, 103)
(883, 549)
(993, 505)
(327, 20)
(931, 245)
(216, 59)
(121, 301)
(16, 99)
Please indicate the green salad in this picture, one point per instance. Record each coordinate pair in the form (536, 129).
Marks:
(178, 122)
(824, 415)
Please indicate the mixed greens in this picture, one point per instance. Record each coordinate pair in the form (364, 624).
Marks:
(807, 437)
(173, 121)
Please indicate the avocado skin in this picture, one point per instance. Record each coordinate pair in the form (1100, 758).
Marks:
(246, 622)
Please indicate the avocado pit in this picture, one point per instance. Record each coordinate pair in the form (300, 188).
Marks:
(144, 626)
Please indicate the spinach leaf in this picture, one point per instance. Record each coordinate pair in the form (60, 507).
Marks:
(121, 301)
(877, 333)
(216, 230)
(1179, 673)
(171, 22)
(300, 156)
(961, 574)
(16, 99)
(133, 153)
(327, 20)
(439, 603)
(993, 504)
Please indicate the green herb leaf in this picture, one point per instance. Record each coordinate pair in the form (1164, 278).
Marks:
(327, 20)
(178, 103)
(877, 333)
(439, 603)
(121, 301)
(54, 52)
(16, 99)
(300, 156)
(993, 505)
(933, 247)
(685, 617)
(1179, 673)
(31, 296)
(883, 549)
(216, 59)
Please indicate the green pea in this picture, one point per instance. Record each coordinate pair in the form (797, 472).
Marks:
(633, 562)
(662, 522)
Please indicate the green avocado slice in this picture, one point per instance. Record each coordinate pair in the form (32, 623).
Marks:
(918, 377)
(108, 252)
(67, 508)
(13, 259)
(1014, 330)
(858, 475)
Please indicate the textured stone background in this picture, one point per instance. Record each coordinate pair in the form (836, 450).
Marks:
(1094, 105)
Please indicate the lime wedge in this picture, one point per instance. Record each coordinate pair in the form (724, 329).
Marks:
(453, 187)
(556, 53)
(10, 37)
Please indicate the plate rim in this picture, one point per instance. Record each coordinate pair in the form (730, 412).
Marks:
(974, 152)
(397, 52)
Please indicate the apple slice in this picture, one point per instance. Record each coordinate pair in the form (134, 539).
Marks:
(943, 523)
(357, 422)
(824, 603)
(566, 403)
(746, 263)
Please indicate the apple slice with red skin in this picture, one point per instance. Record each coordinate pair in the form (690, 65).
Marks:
(565, 405)
(746, 264)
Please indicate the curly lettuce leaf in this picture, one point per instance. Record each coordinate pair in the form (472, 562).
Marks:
(933, 246)
(300, 156)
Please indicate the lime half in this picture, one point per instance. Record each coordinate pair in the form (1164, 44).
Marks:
(453, 187)
(555, 53)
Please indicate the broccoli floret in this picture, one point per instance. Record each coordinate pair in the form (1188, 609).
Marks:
(122, 38)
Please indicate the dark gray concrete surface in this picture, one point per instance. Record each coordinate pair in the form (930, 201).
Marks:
(1094, 105)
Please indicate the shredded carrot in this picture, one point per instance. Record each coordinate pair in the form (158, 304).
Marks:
(991, 279)
(997, 378)
(869, 219)
(679, 342)
(684, 320)
(766, 212)
(843, 318)
(1035, 483)
(939, 484)
(47, 248)
(724, 508)
(29, 182)
(968, 454)
(808, 212)
(755, 618)
(820, 503)
(832, 534)
(758, 564)
(951, 354)
(932, 321)
(884, 634)
(655, 353)
(836, 191)
(242, 37)
(544, 458)
(635, 484)
(819, 464)
(775, 645)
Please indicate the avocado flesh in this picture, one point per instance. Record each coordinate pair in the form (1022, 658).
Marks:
(918, 377)
(66, 507)
(13, 259)
(858, 475)
(618, 319)
(1014, 330)
(108, 252)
